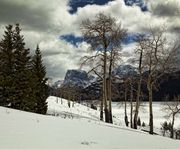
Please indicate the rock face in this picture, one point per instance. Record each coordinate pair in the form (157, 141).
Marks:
(81, 79)
(90, 87)
(76, 77)
(58, 83)
(124, 70)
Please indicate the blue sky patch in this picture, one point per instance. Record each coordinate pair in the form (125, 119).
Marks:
(72, 39)
(139, 3)
(131, 37)
(74, 4)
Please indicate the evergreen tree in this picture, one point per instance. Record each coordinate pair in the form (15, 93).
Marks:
(6, 66)
(39, 73)
(22, 79)
(23, 97)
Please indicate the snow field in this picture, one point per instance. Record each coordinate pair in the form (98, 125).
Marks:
(24, 130)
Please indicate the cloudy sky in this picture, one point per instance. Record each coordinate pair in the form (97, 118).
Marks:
(54, 25)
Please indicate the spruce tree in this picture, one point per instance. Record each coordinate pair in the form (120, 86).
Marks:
(39, 72)
(22, 79)
(23, 97)
(6, 66)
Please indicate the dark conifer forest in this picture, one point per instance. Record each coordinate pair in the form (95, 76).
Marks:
(22, 76)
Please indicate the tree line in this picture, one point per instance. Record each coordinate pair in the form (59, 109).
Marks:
(22, 76)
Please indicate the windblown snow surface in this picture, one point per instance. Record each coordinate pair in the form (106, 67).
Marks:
(72, 129)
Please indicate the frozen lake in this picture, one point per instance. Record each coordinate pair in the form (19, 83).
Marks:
(159, 114)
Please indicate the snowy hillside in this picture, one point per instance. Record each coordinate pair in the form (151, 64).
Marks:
(23, 130)
(59, 107)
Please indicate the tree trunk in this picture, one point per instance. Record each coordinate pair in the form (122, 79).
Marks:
(125, 107)
(110, 88)
(131, 99)
(69, 103)
(105, 88)
(172, 126)
(101, 110)
(137, 104)
(150, 107)
(138, 91)
(110, 100)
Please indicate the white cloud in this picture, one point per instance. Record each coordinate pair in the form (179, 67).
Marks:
(43, 21)
(168, 10)
(60, 56)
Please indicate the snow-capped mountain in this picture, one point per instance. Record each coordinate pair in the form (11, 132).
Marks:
(81, 79)
(124, 70)
(77, 77)
(58, 83)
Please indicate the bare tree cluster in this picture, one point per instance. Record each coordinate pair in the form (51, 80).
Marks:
(104, 36)
(70, 92)
(157, 57)
(172, 110)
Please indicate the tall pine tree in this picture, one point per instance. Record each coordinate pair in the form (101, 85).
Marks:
(22, 79)
(7, 66)
(39, 73)
(23, 97)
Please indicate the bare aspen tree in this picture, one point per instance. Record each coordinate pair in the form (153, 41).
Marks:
(70, 92)
(103, 34)
(141, 45)
(128, 94)
(95, 62)
(125, 102)
(113, 58)
(131, 102)
(109, 86)
(159, 58)
(173, 110)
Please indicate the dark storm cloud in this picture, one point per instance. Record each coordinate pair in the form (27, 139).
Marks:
(47, 53)
(55, 71)
(176, 30)
(31, 17)
(167, 9)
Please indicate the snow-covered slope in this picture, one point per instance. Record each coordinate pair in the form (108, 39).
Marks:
(23, 130)
(59, 107)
